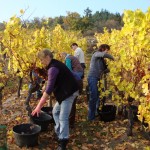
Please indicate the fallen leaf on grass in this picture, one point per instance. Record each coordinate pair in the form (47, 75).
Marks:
(98, 135)
(85, 147)
(18, 119)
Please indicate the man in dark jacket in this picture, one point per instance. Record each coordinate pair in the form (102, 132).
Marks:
(64, 86)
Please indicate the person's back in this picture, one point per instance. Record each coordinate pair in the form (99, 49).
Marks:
(78, 52)
(63, 84)
(72, 63)
(96, 65)
(76, 66)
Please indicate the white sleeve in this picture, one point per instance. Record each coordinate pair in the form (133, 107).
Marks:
(76, 53)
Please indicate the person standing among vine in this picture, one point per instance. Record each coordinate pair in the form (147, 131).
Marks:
(78, 52)
(97, 68)
(65, 88)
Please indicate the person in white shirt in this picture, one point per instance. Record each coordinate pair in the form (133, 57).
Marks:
(78, 52)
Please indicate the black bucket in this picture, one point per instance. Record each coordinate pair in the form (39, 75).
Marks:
(48, 110)
(43, 120)
(26, 134)
(108, 113)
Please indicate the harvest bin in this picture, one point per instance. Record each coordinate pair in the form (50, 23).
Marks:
(48, 110)
(26, 134)
(108, 113)
(42, 120)
(3, 137)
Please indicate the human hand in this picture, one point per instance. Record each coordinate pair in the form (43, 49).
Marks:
(36, 111)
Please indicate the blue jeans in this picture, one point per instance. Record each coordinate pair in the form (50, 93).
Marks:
(80, 74)
(61, 114)
(93, 97)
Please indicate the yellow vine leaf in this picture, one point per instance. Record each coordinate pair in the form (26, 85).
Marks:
(22, 11)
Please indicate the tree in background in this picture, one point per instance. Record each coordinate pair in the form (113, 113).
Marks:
(87, 24)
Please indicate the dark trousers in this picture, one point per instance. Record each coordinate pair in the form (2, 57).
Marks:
(83, 66)
(73, 114)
